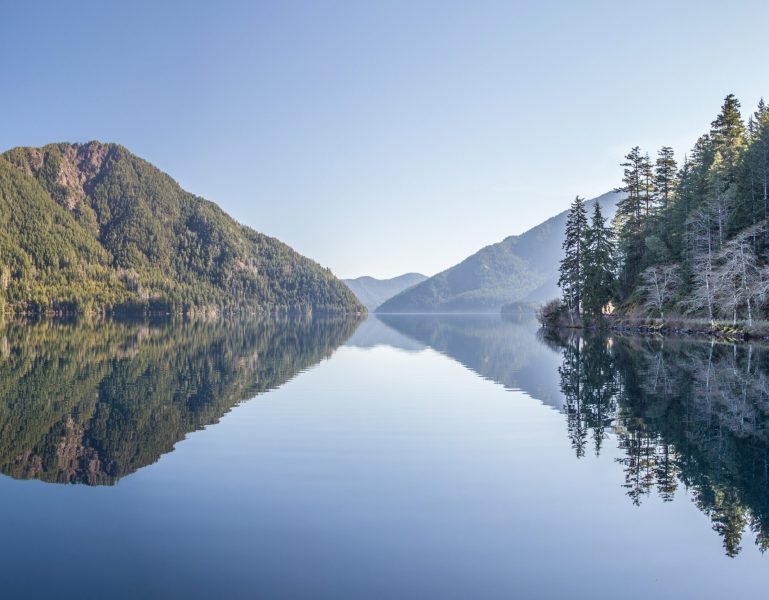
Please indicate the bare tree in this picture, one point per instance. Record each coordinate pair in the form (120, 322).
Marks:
(741, 283)
(702, 247)
(658, 285)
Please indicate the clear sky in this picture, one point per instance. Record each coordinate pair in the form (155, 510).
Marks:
(380, 137)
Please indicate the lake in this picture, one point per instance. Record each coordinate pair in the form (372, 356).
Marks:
(394, 457)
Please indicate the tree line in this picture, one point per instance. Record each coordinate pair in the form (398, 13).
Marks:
(690, 239)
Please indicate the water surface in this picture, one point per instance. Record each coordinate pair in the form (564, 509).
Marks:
(404, 456)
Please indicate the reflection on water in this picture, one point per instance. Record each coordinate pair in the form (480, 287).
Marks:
(432, 456)
(503, 350)
(685, 412)
(91, 403)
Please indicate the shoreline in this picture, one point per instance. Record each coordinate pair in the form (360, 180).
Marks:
(674, 327)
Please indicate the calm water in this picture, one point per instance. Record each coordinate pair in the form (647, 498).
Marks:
(400, 457)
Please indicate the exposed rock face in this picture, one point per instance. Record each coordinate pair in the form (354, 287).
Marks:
(71, 167)
(79, 166)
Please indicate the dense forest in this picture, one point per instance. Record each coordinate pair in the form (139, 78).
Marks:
(685, 413)
(91, 227)
(95, 401)
(689, 239)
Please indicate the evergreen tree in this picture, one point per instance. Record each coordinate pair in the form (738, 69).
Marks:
(678, 211)
(632, 211)
(757, 120)
(629, 209)
(665, 181)
(571, 279)
(694, 239)
(728, 135)
(647, 187)
(755, 188)
(599, 264)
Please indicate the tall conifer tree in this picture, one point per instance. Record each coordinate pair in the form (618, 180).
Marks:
(665, 170)
(571, 279)
(756, 180)
(632, 211)
(599, 264)
(647, 189)
(630, 208)
(728, 135)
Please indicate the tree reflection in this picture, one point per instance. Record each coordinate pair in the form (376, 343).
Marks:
(589, 383)
(684, 412)
(91, 403)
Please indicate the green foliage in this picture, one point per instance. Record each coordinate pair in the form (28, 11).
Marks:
(599, 264)
(634, 212)
(587, 268)
(694, 217)
(92, 402)
(665, 182)
(92, 227)
(572, 269)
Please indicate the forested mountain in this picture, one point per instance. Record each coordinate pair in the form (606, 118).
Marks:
(372, 292)
(92, 227)
(96, 401)
(692, 240)
(522, 268)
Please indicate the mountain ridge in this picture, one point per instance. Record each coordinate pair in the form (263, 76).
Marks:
(372, 291)
(520, 268)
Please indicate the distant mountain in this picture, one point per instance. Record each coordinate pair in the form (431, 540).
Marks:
(92, 227)
(521, 268)
(372, 292)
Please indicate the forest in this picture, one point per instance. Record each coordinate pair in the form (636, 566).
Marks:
(92, 228)
(688, 240)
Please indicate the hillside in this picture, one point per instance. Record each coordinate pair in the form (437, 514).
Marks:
(92, 227)
(522, 268)
(373, 292)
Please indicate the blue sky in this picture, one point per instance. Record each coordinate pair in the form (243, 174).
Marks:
(380, 137)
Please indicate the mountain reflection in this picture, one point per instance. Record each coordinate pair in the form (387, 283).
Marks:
(503, 350)
(685, 412)
(91, 403)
